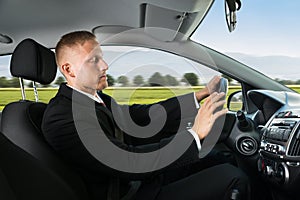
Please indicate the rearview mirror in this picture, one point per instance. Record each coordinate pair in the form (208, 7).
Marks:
(231, 6)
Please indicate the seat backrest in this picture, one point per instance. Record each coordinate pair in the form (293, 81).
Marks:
(25, 177)
(6, 191)
(21, 124)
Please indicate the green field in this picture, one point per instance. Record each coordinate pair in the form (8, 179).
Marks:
(122, 95)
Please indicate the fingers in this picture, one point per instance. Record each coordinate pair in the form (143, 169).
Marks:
(218, 96)
(214, 105)
(218, 106)
(215, 79)
(213, 84)
(211, 87)
(220, 113)
(208, 113)
(214, 98)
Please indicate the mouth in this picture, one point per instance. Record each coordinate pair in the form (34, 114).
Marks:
(103, 76)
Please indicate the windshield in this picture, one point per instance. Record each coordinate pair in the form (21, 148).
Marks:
(266, 38)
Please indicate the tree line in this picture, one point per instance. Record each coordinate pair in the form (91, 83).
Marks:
(157, 79)
(287, 82)
(14, 82)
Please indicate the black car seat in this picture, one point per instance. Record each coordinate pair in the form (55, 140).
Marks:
(22, 176)
(5, 189)
(27, 154)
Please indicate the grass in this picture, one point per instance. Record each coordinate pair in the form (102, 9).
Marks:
(122, 95)
(144, 95)
(14, 94)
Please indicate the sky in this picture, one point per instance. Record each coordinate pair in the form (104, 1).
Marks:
(145, 62)
(264, 27)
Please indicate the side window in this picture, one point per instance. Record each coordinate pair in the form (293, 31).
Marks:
(135, 75)
(141, 75)
(10, 86)
(7, 83)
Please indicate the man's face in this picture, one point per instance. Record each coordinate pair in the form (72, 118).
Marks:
(90, 68)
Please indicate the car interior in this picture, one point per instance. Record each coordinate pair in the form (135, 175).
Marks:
(262, 136)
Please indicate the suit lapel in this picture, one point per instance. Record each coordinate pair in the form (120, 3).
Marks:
(104, 115)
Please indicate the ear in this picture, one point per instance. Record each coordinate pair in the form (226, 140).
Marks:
(67, 70)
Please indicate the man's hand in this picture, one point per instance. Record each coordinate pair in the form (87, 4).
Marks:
(211, 109)
(211, 87)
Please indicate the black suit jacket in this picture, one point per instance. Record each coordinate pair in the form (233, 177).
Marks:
(61, 133)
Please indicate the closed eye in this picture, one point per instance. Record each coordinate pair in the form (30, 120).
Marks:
(94, 59)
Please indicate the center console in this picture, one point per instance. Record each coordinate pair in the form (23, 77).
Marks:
(280, 149)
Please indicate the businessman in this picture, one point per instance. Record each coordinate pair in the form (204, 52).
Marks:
(84, 126)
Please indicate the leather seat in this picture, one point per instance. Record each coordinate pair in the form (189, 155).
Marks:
(22, 176)
(26, 160)
(6, 191)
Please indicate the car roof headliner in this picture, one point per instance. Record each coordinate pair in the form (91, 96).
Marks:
(46, 21)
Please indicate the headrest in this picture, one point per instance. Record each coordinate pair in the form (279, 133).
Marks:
(32, 61)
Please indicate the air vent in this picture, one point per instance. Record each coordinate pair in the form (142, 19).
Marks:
(288, 114)
(294, 149)
(246, 145)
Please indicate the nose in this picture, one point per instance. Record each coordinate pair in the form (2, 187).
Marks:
(104, 66)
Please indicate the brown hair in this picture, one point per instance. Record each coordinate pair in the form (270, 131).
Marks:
(71, 39)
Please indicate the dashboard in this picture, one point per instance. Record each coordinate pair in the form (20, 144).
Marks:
(277, 123)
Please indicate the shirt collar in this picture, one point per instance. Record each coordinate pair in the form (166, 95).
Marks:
(95, 98)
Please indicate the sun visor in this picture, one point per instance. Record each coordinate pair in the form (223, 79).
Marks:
(105, 33)
(176, 20)
(161, 23)
(166, 24)
(190, 6)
